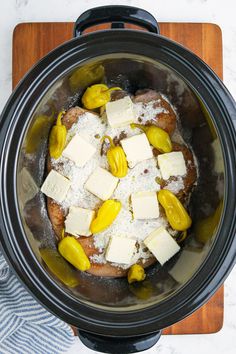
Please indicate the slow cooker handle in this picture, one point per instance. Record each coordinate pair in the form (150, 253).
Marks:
(118, 15)
(118, 345)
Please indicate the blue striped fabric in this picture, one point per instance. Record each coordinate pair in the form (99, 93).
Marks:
(25, 326)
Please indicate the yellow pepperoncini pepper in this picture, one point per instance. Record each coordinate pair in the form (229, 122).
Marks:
(97, 95)
(142, 290)
(116, 159)
(204, 229)
(85, 76)
(74, 253)
(59, 267)
(175, 212)
(136, 273)
(105, 216)
(157, 137)
(57, 138)
(36, 132)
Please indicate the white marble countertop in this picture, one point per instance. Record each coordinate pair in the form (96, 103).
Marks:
(216, 11)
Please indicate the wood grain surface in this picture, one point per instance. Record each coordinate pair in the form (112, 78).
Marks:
(31, 41)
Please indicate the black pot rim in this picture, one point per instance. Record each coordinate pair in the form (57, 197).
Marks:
(222, 256)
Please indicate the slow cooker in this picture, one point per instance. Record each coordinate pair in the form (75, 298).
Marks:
(110, 315)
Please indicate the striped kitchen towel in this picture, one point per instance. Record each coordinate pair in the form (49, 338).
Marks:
(25, 326)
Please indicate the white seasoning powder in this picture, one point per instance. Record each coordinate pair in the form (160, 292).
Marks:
(116, 132)
(89, 126)
(175, 185)
(98, 258)
(146, 111)
(140, 178)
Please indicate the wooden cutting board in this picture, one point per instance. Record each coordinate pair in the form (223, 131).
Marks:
(31, 41)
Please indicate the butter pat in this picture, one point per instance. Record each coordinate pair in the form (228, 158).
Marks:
(145, 205)
(218, 157)
(189, 261)
(172, 164)
(120, 113)
(56, 186)
(78, 221)
(101, 183)
(79, 151)
(27, 186)
(137, 149)
(161, 244)
(120, 249)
